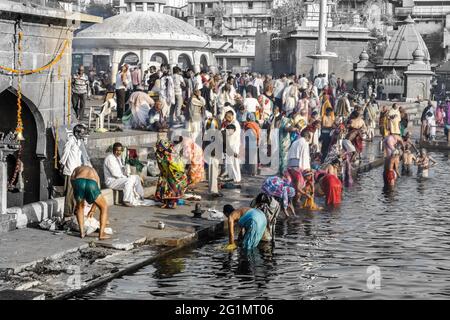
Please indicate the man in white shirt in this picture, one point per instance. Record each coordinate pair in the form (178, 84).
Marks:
(303, 82)
(250, 103)
(178, 85)
(198, 83)
(324, 81)
(258, 83)
(318, 82)
(298, 156)
(74, 156)
(278, 88)
(117, 179)
(167, 93)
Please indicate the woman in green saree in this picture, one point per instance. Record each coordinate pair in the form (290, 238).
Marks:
(172, 180)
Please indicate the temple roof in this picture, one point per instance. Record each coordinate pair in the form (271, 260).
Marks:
(404, 42)
(149, 26)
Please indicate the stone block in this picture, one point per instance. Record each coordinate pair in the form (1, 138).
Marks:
(7, 222)
(21, 295)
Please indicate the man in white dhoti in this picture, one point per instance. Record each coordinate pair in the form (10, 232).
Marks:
(167, 93)
(116, 177)
(74, 156)
(233, 166)
(298, 156)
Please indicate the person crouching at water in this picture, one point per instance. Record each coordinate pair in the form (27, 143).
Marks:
(86, 187)
(309, 191)
(252, 222)
(391, 171)
(423, 163)
(331, 187)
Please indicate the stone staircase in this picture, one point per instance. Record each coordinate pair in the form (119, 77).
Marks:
(414, 110)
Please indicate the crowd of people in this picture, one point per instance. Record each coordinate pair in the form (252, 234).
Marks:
(313, 130)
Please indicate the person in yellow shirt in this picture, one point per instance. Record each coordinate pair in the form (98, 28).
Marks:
(394, 119)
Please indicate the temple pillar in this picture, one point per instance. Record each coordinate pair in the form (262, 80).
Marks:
(115, 65)
(320, 65)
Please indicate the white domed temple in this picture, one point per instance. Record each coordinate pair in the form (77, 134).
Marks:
(147, 38)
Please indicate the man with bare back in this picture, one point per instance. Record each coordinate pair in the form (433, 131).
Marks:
(86, 187)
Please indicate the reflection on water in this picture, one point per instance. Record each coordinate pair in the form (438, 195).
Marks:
(322, 255)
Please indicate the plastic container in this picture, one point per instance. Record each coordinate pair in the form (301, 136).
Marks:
(181, 202)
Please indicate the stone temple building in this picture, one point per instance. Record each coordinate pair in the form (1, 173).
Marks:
(44, 95)
(289, 49)
(145, 37)
(406, 69)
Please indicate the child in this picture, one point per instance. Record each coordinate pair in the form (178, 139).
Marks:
(423, 163)
(408, 158)
(309, 191)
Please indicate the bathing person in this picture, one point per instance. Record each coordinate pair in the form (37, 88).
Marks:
(391, 172)
(424, 162)
(86, 187)
(408, 158)
(309, 191)
(271, 208)
(252, 223)
(331, 187)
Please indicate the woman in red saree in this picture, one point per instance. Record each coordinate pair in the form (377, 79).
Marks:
(332, 188)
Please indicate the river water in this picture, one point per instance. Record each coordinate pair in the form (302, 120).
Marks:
(376, 245)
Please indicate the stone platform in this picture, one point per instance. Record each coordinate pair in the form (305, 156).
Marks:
(44, 261)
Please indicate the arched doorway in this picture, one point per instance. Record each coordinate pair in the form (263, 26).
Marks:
(184, 62)
(159, 57)
(203, 63)
(130, 58)
(33, 152)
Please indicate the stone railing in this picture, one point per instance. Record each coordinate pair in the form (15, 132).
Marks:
(392, 87)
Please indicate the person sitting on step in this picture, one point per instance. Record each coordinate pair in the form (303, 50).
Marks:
(117, 179)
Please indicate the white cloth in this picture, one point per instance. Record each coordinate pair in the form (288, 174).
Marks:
(318, 83)
(251, 104)
(178, 82)
(278, 88)
(132, 188)
(213, 175)
(324, 82)
(259, 84)
(117, 180)
(233, 168)
(198, 83)
(72, 155)
(113, 169)
(119, 83)
(299, 150)
(303, 83)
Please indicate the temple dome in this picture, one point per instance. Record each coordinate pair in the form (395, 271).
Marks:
(364, 56)
(404, 42)
(148, 26)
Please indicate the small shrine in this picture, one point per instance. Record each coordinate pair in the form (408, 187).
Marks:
(405, 72)
(9, 147)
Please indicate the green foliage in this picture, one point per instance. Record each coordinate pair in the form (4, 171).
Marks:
(101, 10)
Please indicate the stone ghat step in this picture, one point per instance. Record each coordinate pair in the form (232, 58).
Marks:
(7, 222)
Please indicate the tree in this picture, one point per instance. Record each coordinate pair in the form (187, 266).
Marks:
(101, 10)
